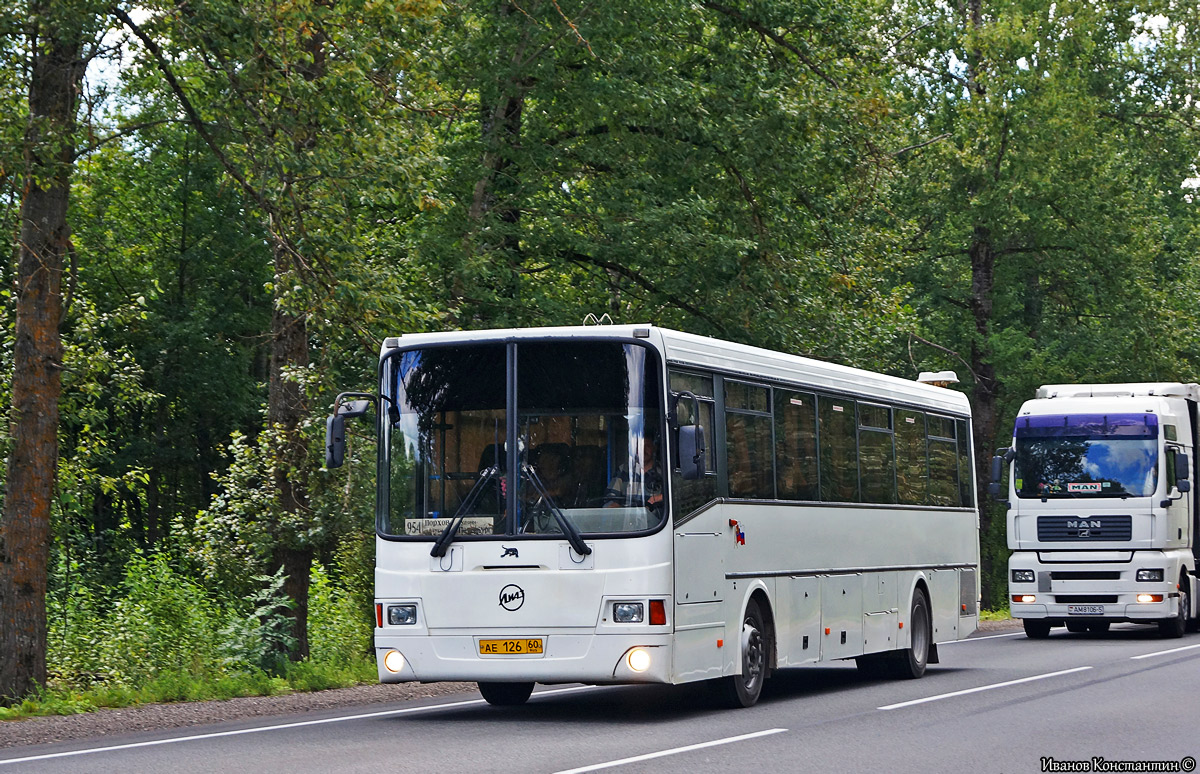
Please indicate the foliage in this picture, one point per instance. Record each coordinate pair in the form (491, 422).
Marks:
(259, 639)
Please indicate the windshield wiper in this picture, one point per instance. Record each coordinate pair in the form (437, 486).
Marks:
(564, 523)
(447, 536)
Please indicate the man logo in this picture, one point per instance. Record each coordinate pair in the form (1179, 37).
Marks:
(512, 597)
(508, 552)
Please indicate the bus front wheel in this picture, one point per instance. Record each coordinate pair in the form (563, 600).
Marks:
(743, 690)
(505, 694)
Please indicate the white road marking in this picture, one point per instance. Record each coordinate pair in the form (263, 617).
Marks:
(281, 726)
(977, 639)
(673, 751)
(1164, 652)
(982, 688)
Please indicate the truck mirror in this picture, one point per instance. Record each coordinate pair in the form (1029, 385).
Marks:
(997, 470)
(1183, 485)
(691, 452)
(1181, 468)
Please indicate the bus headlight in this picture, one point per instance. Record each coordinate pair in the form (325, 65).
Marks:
(628, 612)
(401, 615)
(1150, 576)
(393, 661)
(639, 659)
(1022, 576)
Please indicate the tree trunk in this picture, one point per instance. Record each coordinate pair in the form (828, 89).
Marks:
(286, 410)
(56, 72)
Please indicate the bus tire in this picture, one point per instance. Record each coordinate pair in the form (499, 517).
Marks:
(910, 663)
(1173, 628)
(754, 645)
(505, 694)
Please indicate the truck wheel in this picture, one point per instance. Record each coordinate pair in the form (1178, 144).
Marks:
(1036, 628)
(1173, 628)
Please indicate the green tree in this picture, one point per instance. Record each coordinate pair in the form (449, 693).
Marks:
(1039, 219)
(56, 39)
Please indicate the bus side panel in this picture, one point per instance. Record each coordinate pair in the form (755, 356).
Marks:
(944, 592)
(880, 611)
(798, 620)
(699, 609)
(841, 616)
(699, 630)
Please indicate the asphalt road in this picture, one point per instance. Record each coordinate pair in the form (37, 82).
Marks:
(997, 703)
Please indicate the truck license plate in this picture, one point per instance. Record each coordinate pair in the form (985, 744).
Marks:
(1085, 609)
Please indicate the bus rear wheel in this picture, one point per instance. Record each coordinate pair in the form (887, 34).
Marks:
(910, 663)
(505, 694)
(743, 690)
(1036, 628)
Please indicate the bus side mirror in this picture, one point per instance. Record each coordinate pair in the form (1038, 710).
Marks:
(335, 425)
(691, 452)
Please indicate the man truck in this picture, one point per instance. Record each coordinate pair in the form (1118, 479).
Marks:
(1101, 519)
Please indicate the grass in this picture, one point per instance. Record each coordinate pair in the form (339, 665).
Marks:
(175, 686)
(995, 615)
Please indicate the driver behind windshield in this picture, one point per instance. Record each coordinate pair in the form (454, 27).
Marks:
(642, 485)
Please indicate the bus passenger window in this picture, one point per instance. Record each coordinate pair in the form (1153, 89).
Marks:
(839, 450)
(795, 445)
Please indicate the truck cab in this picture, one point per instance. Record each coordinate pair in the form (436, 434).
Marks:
(1101, 518)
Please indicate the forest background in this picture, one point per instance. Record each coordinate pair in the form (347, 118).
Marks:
(218, 209)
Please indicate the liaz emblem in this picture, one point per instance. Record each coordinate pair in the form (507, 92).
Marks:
(512, 597)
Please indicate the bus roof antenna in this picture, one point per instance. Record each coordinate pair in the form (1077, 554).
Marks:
(592, 319)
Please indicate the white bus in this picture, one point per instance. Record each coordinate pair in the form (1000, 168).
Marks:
(1101, 519)
(675, 509)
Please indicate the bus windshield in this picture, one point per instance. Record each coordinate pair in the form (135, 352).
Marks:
(1087, 456)
(587, 416)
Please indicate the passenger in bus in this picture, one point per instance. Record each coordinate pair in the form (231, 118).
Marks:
(645, 485)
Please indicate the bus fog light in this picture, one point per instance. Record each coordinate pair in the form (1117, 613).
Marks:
(1026, 598)
(401, 615)
(1151, 576)
(639, 659)
(628, 612)
(1146, 598)
(393, 661)
(1022, 576)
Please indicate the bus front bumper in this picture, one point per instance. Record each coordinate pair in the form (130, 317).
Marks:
(565, 658)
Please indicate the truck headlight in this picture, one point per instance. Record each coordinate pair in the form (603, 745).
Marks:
(1150, 576)
(1023, 576)
(401, 615)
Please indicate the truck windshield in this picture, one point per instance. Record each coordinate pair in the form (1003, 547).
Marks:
(1087, 455)
(588, 415)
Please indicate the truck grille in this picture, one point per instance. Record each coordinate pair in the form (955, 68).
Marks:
(1085, 575)
(1062, 528)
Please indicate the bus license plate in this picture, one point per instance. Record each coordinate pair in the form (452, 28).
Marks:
(1085, 609)
(510, 647)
